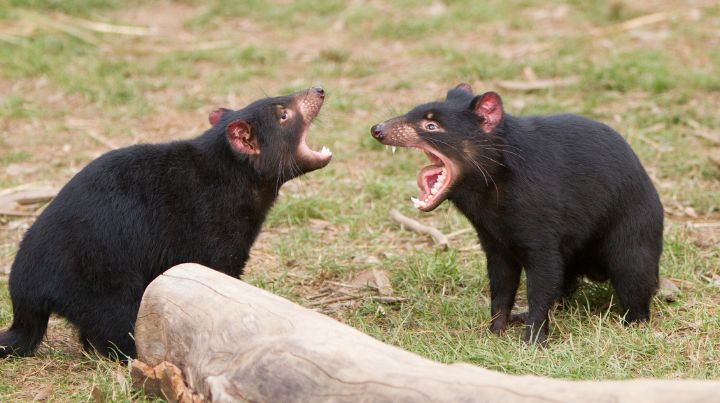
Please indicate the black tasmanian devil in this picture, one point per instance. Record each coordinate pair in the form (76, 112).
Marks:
(135, 212)
(561, 196)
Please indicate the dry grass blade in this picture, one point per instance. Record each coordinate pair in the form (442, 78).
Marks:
(632, 24)
(15, 213)
(44, 21)
(388, 300)
(440, 239)
(107, 28)
(536, 84)
(334, 300)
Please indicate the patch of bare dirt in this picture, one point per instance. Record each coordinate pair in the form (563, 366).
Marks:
(165, 16)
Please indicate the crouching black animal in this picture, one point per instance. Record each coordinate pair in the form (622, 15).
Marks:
(135, 212)
(561, 196)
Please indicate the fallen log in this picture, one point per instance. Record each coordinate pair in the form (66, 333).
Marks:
(235, 342)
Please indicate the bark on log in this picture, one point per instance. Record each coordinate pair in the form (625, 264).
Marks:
(235, 342)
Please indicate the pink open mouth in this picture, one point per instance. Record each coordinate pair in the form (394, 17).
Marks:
(316, 159)
(433, 180)
(310, 104)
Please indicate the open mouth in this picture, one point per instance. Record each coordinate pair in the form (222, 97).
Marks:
(433, 180)
(314, 159)
(310, 158)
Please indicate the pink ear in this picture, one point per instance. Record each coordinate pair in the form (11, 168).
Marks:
(216, 115)
(465, 87)
(240, 138)
(488, 108)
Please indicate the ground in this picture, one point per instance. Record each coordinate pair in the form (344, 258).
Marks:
(72, 88)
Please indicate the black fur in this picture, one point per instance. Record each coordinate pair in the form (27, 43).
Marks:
(137, 211)
(561, 196)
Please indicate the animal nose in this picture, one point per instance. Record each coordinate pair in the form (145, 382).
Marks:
(377, 131)
(319, 90)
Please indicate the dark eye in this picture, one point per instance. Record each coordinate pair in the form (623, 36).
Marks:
(284, 115)
(431, 126)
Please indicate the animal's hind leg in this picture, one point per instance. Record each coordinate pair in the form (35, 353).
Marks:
(633, 269)
(26, 332)
(108, 329)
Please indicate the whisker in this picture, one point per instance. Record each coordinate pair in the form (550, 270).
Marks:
(483, 171)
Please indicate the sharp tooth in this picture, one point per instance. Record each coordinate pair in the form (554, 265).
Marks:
(394, 149)
(417, 203)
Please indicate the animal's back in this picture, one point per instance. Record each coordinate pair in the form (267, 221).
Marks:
(580, 180)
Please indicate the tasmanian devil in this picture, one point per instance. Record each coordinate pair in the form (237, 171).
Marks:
(561, 196)
(137, 211)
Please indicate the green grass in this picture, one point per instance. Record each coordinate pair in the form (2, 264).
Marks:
(658, 85)
(71, 7)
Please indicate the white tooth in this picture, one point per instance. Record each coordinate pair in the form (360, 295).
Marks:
(417, 203)
(394, 149)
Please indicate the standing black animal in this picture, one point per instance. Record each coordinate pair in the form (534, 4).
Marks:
(561, 196)
(135, 212)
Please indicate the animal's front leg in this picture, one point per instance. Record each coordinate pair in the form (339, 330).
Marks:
(504, 274)
(544, 286)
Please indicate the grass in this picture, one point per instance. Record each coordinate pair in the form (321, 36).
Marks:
(657, 84)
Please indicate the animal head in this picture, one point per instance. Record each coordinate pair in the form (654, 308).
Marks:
(457, 136)
(272, 134)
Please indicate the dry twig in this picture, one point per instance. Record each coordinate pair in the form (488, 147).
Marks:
(440, 239)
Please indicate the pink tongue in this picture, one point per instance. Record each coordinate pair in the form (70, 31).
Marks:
(431, 172)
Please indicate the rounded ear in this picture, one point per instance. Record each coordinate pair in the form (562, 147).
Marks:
(489, 110)
(464, 87)
(241, 138)
(460, 92)
(216, 115)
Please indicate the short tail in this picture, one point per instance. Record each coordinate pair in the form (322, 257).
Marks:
(26, 332)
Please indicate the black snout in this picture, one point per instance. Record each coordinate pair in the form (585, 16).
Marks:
(319, 90)
(377, 131)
